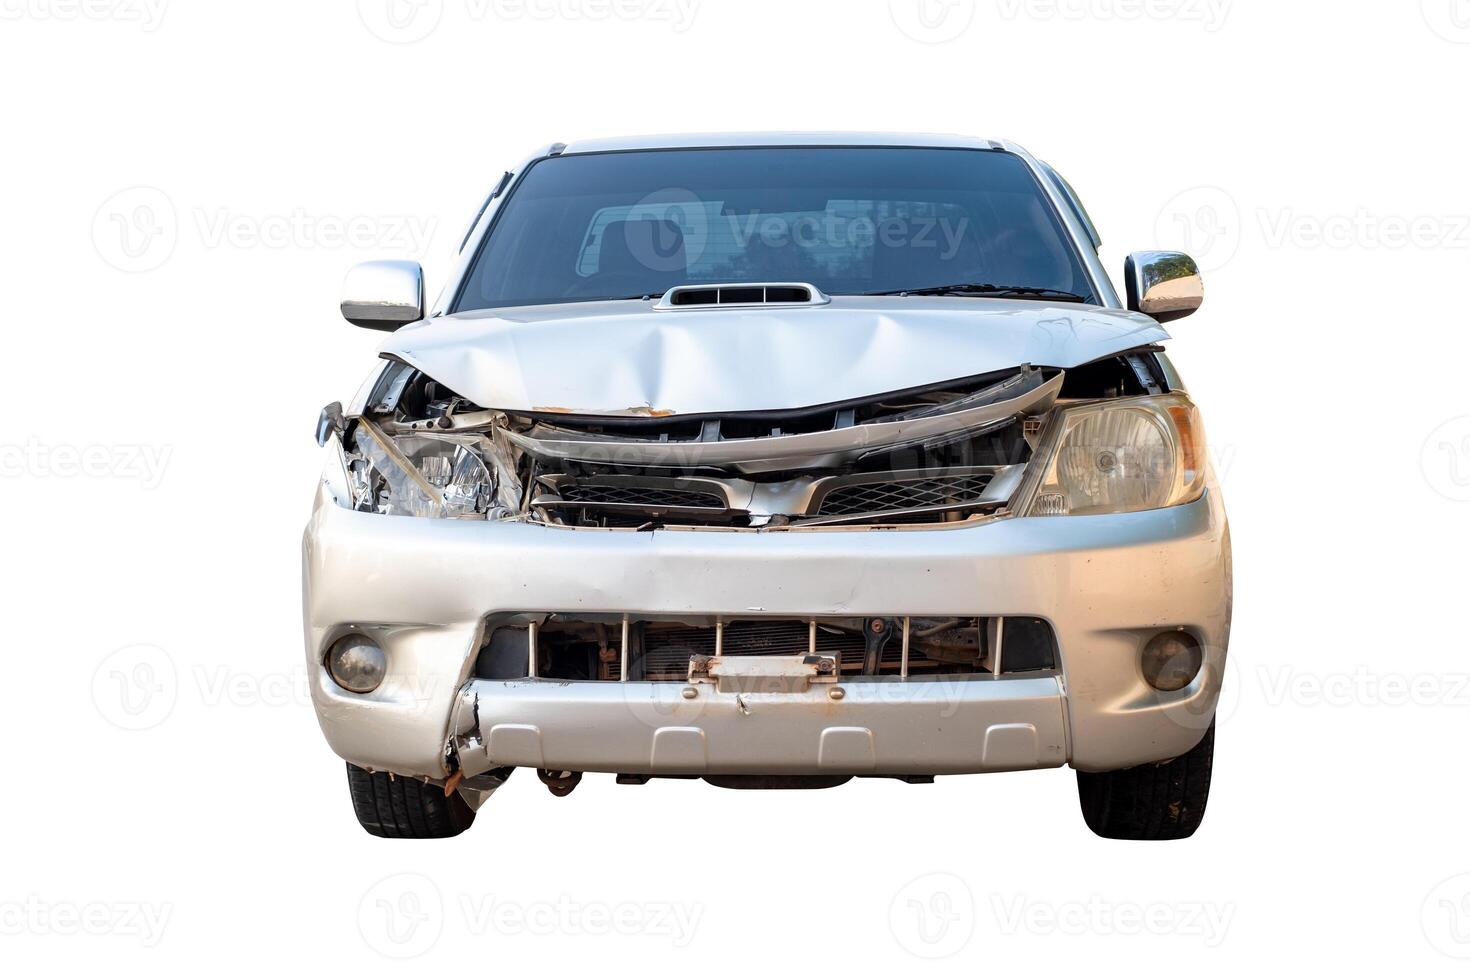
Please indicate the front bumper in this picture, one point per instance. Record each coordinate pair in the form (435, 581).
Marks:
(424, 588)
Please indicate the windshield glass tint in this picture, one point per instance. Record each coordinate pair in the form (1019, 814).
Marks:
(845, 219)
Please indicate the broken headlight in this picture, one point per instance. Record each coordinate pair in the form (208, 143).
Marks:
(422, 474)
(1120, 456)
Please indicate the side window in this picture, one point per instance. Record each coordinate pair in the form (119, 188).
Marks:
(1075, 202)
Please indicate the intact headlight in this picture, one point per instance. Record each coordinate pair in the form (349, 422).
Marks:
(1119, 456)
(423, 474)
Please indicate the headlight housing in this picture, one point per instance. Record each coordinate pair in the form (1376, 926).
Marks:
(423, 474)
(1117, 457)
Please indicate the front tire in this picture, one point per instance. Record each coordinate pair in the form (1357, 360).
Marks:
(1157, 801)
(397, 806)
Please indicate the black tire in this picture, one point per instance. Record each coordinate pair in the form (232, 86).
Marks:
(397, 806)
(1158, 801)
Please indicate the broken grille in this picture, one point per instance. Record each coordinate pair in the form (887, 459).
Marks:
(868, 498)
(613, 648)
(667, 652)
(641, 496)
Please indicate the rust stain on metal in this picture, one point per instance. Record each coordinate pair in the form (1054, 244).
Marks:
(642, 411)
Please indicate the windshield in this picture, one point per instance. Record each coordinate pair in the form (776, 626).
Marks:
(845, 219)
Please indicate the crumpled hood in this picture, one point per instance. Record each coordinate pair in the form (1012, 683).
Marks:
(624, 358)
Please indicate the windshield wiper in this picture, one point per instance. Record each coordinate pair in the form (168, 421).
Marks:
(985, 289)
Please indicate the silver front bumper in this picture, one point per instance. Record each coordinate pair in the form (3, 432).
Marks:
(424, 588)
(886, 727)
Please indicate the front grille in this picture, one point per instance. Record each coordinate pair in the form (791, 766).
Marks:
(907, 496)
(869, 498)
(640, 496)
(746, 638)
(667, 652)
(570, 648)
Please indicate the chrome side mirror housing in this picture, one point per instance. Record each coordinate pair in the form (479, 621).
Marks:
(383, 295)
(1163, 285)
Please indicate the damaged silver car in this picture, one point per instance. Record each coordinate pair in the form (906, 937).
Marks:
(773, 460)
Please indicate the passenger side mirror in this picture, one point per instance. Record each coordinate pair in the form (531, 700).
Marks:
(331, 422)
(1163, 285)
(383, 295)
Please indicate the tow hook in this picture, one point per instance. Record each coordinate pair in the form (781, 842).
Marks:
(560, 781)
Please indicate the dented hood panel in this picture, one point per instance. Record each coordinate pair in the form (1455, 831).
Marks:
(624, 358)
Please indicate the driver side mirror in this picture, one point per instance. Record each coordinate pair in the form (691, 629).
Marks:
(1163, 285)
(383, 295)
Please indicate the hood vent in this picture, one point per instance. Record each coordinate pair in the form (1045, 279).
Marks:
(743, 294)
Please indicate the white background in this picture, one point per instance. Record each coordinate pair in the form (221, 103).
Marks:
(167, 350)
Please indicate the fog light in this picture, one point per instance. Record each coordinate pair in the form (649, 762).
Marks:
(1171, 660)
(357, 663)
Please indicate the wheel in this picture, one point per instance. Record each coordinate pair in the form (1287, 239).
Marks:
(1158, 801)
(398, 806)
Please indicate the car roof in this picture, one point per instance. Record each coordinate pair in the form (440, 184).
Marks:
(683, 141)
